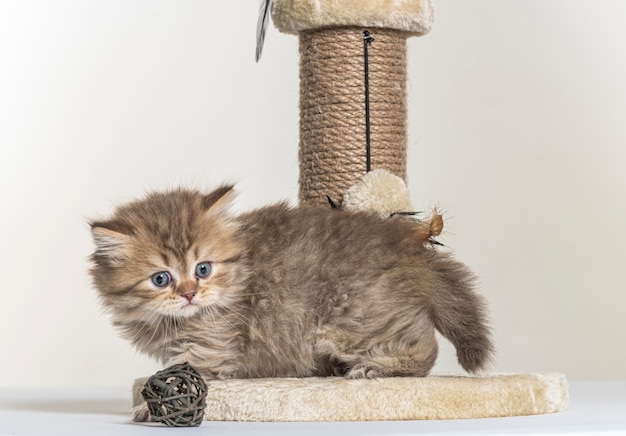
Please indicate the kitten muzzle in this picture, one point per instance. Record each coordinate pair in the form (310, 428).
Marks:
(187, 289)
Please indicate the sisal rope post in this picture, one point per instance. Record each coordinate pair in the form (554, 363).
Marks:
(332, 149)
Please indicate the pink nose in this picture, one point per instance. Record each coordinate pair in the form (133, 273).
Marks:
(187, 289)
(189, 295)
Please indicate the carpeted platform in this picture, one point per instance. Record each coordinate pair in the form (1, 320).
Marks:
(398, 398)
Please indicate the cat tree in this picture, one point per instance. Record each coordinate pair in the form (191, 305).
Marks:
(352, 119)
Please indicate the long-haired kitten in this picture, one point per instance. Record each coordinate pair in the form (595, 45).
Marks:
(282, 291)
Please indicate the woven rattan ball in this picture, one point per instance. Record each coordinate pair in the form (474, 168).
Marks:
(176, 396)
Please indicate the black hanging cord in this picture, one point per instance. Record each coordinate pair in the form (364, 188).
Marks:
(367, 41)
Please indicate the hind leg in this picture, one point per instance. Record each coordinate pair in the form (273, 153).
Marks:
(392, 340)
(392, 360)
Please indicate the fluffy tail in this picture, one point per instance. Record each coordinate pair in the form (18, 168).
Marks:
(460, 314)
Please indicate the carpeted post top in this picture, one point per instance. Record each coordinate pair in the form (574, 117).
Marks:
(413, 16)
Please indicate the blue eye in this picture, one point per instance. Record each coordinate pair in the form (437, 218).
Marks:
(161, 279)
(203, 269)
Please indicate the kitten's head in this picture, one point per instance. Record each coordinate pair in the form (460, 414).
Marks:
(171, 254)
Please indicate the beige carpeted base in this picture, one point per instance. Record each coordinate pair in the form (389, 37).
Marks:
(398, 398)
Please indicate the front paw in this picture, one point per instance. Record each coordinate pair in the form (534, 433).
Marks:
(141, 413)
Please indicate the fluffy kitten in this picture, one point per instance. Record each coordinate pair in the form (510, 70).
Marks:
(282, 291)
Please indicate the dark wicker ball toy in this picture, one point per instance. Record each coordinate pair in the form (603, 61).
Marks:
(176, 396)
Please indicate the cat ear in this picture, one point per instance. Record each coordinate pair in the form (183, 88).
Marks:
(219, 200)
(109, 243)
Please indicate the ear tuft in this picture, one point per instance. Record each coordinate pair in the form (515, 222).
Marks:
(219, 199)
(109, 243)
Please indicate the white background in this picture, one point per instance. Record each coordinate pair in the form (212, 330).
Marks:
(517, 127)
